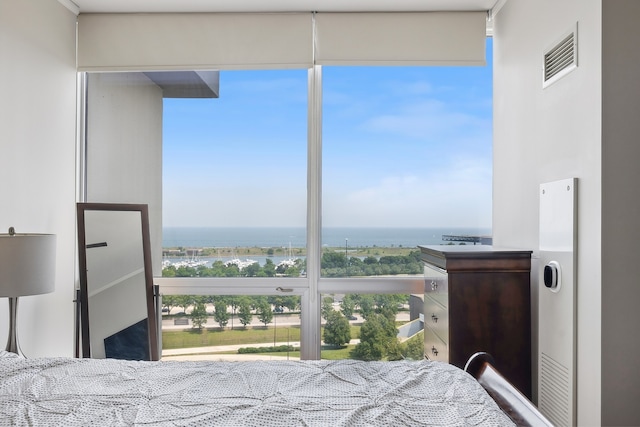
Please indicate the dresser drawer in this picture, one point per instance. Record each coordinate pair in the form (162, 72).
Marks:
(436, 285)
(434, 347)
(436, 316)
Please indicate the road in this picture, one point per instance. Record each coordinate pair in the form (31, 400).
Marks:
(280, 320)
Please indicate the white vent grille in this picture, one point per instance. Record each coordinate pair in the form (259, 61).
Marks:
(561, 58)
(555, 388)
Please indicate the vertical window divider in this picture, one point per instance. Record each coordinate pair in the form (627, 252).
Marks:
(81, 137)
(310, 318)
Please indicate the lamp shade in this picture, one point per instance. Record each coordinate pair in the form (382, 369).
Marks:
(27, 264)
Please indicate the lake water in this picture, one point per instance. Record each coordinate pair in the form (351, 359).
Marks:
(269, 237)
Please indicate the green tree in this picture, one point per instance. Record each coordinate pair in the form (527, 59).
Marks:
(356, 266)
(169, 271)
(413, 348)
(366, 304)
(221, 315)
(232, 270)
(334, 260)
(292, 302)
(348, 305)
(257, 300)
(394, 349)
(327, 307)
(337, 331)
(217, 269)
(269, 268)
(252, 270)
(265, 315)
(367, 351)
(198, 316)
(244, 312)
(184, 301)
(378, 339)
(387, 305)
(168, 302)
(185, 272)
(204, 299)
(277, 301)
(292, 271)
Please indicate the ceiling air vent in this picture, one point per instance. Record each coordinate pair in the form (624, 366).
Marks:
(561, 59)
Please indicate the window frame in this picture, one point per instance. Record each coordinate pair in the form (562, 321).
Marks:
(311, 287)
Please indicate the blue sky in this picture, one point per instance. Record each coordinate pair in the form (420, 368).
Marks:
(402, 147)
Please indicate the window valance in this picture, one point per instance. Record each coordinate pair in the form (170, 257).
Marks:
(198, 41)
(434, 38)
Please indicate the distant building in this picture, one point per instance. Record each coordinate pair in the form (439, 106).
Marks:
(483, 240)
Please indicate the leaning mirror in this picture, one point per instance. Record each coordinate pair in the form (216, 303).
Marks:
(117, 311)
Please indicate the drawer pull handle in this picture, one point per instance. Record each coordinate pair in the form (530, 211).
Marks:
(434, 350)
(434, 318)
(434, 285)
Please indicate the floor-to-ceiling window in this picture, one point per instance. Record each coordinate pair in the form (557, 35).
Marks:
(406, 155)
(403, 157)
(234, 177)
(234, 208)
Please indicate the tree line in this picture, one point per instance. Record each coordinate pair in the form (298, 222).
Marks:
(243, 307)
(338, 264)
(333, 264)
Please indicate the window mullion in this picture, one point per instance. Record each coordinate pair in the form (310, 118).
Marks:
(310, 319)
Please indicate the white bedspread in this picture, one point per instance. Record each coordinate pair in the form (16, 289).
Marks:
(84, 392)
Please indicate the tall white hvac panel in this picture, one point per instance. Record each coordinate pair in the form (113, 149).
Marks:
(557, 302)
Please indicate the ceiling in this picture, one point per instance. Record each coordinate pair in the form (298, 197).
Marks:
(132, 6)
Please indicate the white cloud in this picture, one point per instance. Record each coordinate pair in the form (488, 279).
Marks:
(429, 118)
(456, 196)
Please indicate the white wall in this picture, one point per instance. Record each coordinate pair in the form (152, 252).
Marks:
(543, 135)
(584, 126)
(37, 158)
(124, 145)
(621, 213)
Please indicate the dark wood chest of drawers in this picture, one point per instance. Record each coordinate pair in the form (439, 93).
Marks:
(478, 298)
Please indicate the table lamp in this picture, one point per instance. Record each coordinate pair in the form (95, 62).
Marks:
(27, 267)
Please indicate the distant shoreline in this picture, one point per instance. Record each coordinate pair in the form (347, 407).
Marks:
(242, 252)
(336, 238)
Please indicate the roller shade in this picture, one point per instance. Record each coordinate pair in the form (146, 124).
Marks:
(429, 38)
(194, 41)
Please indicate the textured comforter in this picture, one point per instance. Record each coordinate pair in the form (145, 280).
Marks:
(92, 392)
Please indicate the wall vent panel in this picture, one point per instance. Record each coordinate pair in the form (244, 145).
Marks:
(561, 58)
(557, 302)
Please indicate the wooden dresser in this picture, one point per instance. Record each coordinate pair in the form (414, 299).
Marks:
(478, 298)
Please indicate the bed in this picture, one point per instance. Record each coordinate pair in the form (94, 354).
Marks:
(108, 392)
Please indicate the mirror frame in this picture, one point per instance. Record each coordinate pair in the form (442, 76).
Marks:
(81, 208)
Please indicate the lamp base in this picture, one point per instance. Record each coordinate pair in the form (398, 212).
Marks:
(12, 340)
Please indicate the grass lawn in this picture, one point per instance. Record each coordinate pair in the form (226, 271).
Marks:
(214, 336)
(329, 353)
(246, 337)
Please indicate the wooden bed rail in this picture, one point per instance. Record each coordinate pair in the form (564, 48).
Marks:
(520, 409)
